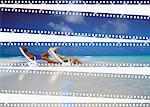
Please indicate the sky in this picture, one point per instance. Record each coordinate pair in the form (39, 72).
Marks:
(66, 23)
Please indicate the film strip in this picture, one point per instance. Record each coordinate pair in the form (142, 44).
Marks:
(79, 73)
(75, 85)
(69, 23)
(75, 2)
(90, 54)
(75, 104)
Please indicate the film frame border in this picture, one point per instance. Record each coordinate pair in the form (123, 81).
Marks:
(74, 105)
(75, 2)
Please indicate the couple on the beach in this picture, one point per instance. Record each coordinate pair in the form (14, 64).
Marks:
(44, 56)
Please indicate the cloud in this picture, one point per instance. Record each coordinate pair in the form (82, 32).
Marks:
(102, 29)
(97, 29)
(120, 26)
(74, 19)
(61, 27)
(117, 26)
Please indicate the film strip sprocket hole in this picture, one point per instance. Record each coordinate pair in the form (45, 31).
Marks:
(24, 64)
(74, 13)
(74, 104)
(79, 44)
(75, 2)
(75, 23)
(82, 74)
(12, 90)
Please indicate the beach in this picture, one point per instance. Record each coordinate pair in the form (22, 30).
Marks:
(79, 84)
(76, 84)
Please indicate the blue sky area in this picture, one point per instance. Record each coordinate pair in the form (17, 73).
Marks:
(68, 23)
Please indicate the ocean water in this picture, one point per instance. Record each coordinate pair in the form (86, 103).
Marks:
(117, 59)
(92, 59)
